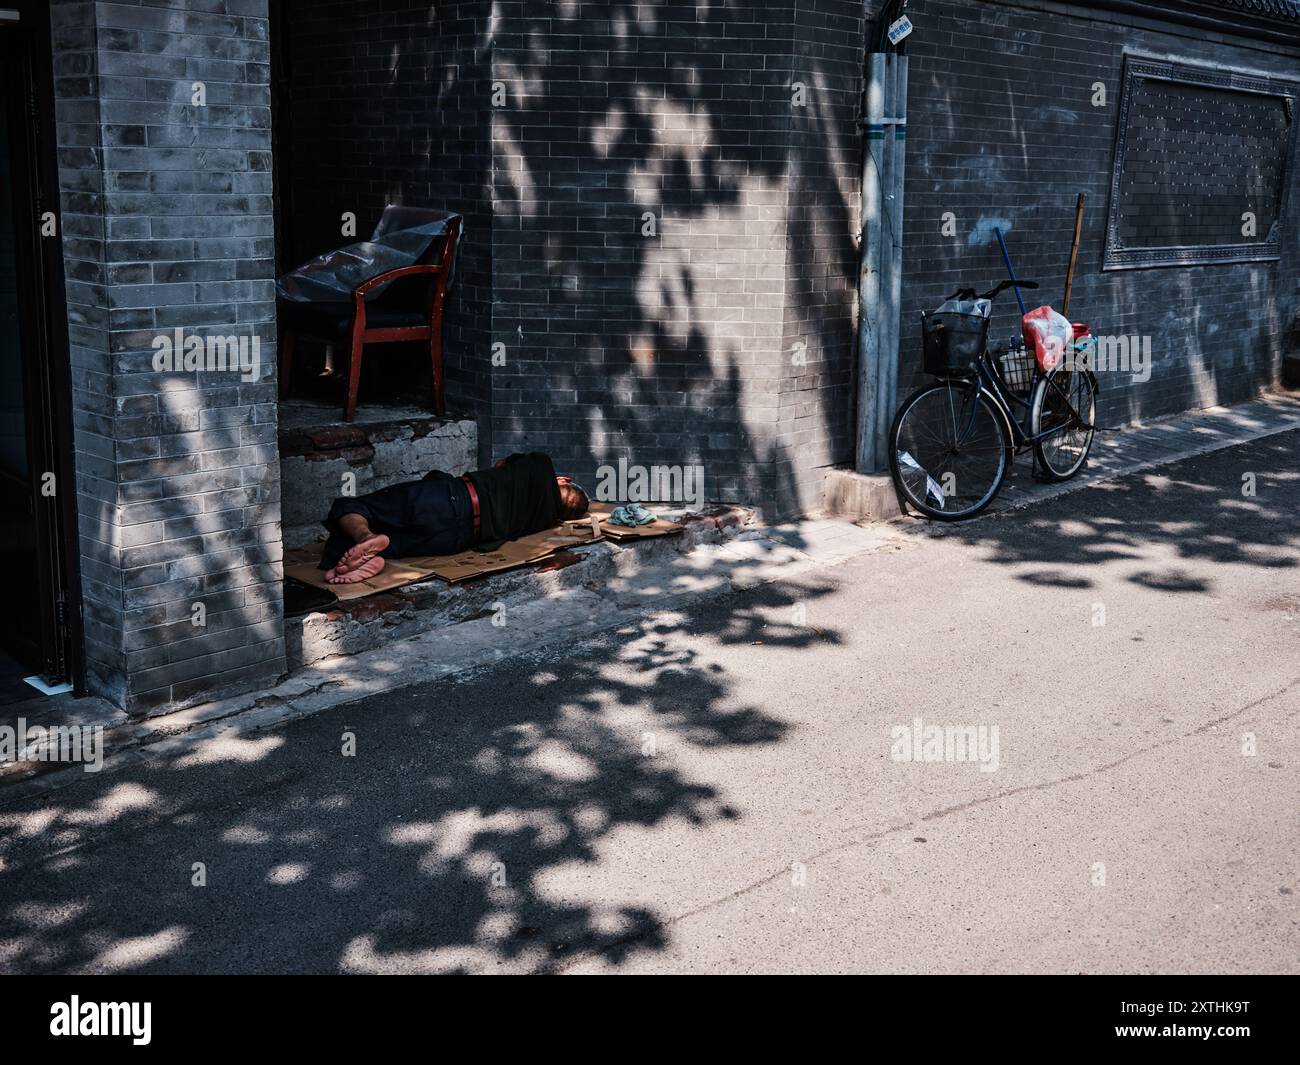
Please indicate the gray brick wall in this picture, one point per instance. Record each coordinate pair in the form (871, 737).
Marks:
(167, 222)
(1002, 126)
(823, 217)
(673, 348)
(386, 102)
(666, 348)
(381, 102)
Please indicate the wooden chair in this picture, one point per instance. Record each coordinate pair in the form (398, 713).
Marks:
(379, 321)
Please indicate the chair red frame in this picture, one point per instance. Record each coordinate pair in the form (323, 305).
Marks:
(361, 334)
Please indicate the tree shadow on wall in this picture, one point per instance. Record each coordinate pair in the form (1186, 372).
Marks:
(674, 263)
(661, 237)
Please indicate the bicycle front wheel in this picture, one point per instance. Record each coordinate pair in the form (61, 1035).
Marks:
(949, 450)
(1064, 404)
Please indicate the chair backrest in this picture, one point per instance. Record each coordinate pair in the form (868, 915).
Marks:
(397, 216)
(413, 293)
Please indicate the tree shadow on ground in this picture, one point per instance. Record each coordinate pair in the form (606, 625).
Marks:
(464, 835)
(1200, 510)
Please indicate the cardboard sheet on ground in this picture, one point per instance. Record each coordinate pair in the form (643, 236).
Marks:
(301, 562)
(618, 533)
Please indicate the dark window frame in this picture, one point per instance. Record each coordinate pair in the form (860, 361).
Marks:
(1140, 67)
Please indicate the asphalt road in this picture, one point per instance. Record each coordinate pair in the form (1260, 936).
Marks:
(728, 790)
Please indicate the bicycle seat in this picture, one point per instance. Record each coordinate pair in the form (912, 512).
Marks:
(1080, 329)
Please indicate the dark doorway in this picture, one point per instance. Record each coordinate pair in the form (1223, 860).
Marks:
(37, 486)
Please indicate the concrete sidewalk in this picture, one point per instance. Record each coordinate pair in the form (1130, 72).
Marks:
(610, 586)
(853, 496)
(1144, 445)
(615, 585)
(720, 788)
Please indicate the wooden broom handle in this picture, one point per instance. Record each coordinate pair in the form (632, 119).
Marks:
(1074, 253)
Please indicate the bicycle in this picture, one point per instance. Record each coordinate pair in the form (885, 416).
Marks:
(952, 443)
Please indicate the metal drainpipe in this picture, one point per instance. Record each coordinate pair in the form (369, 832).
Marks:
(880, 273)
(892, 246)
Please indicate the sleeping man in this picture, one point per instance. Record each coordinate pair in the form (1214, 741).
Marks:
(443, 515)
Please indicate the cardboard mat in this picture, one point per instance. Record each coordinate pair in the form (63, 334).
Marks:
(619, 533)
(301, 562)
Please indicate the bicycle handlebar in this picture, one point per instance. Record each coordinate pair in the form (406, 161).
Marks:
(969, 293)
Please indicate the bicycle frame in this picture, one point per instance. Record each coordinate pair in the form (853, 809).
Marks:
(990, 380)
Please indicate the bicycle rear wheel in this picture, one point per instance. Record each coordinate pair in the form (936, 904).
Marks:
(949, 450)
(1068, 399)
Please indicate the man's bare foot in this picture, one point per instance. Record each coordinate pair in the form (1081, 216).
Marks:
(370, 568)
(362, 552)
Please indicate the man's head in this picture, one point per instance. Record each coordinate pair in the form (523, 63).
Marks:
(573, 500)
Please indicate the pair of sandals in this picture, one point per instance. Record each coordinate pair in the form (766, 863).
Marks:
(631, 515)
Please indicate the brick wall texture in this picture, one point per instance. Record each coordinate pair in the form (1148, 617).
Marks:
(675, 202)
(725, 334)
(666, 347)
(1002, 126)
(167, 222)
(1201, 155)
(386, 102)
(663, 206)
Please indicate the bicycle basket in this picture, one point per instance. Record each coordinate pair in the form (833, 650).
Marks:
(952, 342)
(1017, 370)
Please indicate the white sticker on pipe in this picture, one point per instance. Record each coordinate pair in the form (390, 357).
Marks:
(898, 29)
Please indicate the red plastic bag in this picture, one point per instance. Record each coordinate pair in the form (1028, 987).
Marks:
(1049, 334)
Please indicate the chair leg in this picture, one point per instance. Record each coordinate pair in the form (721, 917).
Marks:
(286, 363)
(354, 375)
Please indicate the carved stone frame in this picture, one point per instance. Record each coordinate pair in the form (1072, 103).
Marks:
(1138, 67)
